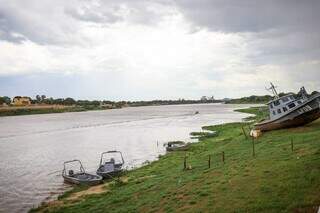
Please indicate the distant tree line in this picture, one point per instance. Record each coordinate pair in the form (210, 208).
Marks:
(5, 100)
(169, 102)
(114, 104)
(254, 99)
(91, 104)
(250, 99)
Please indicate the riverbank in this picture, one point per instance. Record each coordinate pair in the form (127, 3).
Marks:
(276, 179)
(45, 109)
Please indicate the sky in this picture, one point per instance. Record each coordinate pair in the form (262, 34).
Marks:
(160, 49)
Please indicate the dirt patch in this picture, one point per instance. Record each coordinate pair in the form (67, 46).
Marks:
(92, 190)
(74, 197)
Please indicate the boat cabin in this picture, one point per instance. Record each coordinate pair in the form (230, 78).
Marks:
(282, 105)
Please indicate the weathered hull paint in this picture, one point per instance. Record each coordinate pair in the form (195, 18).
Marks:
(302, 115)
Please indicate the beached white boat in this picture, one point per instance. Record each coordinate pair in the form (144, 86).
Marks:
(291, 110)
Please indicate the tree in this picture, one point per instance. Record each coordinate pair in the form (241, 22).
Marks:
(5, 100)
(43, 97)
(38, 98)
(69, 101)
(58, 101)
(95, 103)
(48, 101)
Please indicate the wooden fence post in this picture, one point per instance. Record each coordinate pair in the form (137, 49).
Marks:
(253, 150)
(185, 163)
(244, 132)
(209, 161)
(223, 157)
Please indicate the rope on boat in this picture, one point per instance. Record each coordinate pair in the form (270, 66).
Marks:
(55, 172)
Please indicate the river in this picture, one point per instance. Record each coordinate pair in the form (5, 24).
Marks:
(34, 147)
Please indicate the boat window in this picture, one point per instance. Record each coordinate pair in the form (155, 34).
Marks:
(274, 112)
(291, 105)
(276, 103)
(279, 111)
(285, 99)
(284, 109)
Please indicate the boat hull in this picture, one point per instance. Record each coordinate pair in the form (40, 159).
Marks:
(178, 148)
(302, 115)
(95, 180)
(107, 175)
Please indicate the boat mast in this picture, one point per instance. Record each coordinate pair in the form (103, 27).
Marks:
(274, 91)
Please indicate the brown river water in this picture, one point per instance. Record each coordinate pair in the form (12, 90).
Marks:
(34, 147)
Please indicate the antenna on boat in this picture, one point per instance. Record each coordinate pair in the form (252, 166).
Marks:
(273, 89)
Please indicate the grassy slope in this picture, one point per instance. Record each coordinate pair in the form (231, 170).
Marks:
(29, 111)
(276, 180)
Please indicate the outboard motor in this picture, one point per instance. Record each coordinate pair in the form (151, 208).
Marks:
(71, 172)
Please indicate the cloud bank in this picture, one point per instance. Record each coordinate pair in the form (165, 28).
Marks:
(157, 49)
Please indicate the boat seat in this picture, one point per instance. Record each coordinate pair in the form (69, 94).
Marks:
(108, 167)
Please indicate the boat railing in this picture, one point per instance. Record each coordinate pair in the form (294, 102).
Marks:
(82, 170)
(110, 152)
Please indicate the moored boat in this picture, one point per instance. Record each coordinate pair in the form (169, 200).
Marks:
(80, 177)
(110, 167)
(177, 146)
(291, 110)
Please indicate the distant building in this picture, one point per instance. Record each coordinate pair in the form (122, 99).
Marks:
(21, 101)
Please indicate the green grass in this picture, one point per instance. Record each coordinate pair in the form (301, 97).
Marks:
(31, 111)
(275, 180)
(28, 111)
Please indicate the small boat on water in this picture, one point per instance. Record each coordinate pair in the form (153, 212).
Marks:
(177, 146)
(80, 177)
(110, 167)
(290, 110)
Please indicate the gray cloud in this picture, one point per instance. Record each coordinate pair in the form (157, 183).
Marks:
(6, 34)
(57, 22)
(252, 16)
(276, 30)
(112, 11)
(273, 40)
(95, 13)
(42, 23)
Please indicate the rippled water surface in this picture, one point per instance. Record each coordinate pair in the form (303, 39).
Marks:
(34, 147)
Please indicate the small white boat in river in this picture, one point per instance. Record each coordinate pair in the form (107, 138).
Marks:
(177, 146)
(80, 177)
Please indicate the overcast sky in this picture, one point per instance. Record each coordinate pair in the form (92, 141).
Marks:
(161, 49)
